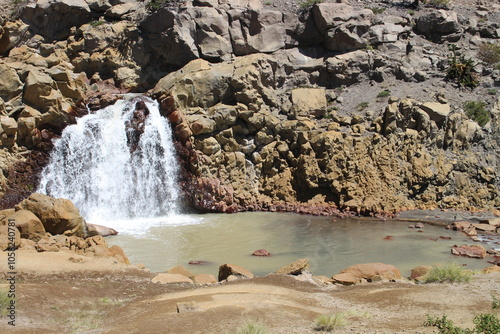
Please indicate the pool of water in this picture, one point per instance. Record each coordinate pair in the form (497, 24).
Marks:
(330, 244)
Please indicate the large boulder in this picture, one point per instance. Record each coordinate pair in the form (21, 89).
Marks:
(9, 236)
(58, 215)
(175, 29)
(254, 31)
(369, 272)
(309, 101)
(212, 32)
(342, 26)
(12, 34)
(41, 91)
(10, 83)
(437, 23)
(28, 225)
(54, 19)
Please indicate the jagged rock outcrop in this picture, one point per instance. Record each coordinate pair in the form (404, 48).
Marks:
(250, 136)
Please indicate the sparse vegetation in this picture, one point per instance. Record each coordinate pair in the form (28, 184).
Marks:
(487, 323)
(411, 12)
(495, 303)
(154, 5)
(442, 4)
(484, 324)
(451, 272)
(444, 325)
(252, 327)
(489, 53)
(492, 91)
(476, 111)
(362, 106)
(377, 10)
(96, 23)
(308, 3)
(461, 70)
(330, 322)
(384, 93)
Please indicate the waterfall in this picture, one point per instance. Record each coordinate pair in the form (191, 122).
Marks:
(115, 164)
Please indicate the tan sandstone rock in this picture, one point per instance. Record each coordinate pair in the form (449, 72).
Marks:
(28, 225)
(295, 268)
(57, 215)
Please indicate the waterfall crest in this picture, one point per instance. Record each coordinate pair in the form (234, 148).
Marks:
(117, 163)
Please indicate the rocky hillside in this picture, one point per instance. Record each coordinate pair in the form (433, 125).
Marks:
(366, 106)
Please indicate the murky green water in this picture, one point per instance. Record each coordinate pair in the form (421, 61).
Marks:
(330, 245)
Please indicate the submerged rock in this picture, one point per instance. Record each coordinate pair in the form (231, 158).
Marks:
(474, 251)
(261, 252)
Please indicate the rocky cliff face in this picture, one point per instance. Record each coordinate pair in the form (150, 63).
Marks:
(334, 107)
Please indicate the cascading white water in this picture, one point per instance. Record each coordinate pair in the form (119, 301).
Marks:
(95, 165)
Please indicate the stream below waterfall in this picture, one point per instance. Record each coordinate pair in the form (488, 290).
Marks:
(118, 167)
(330, 245)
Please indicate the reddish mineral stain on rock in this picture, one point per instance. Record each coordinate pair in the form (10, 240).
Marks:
(389, 237)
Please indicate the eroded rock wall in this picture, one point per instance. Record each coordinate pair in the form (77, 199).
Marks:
(273, 109)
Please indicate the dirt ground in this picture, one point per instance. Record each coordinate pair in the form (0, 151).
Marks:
(58, 293)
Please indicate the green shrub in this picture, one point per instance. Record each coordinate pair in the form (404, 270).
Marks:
(439, 3)
(487, 324)
(411, 12)
(308, 3)
(154, 5)
(330, 322)
(451, 272)
(492, 91)
(489, 53)
(252, 327)
(461, 70)
(495, 303)
(384, 93)
(484, 324)
(377, 10)
(476, 111)
(362, 106)
(444, 325)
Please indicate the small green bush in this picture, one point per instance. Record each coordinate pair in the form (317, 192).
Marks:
(492, 91)
(330, 322)
(439, 3)
(487, 323)
(384, 93)
(461, 70)
(489, 53)
(495, 303)
(451, 272)
(444, 325)
(308, 3)
(252, 327)
(362, 106)
(484, 324)
(476, 111)
(377, 10)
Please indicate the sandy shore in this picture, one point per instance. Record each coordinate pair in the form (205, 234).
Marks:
(67, 293)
